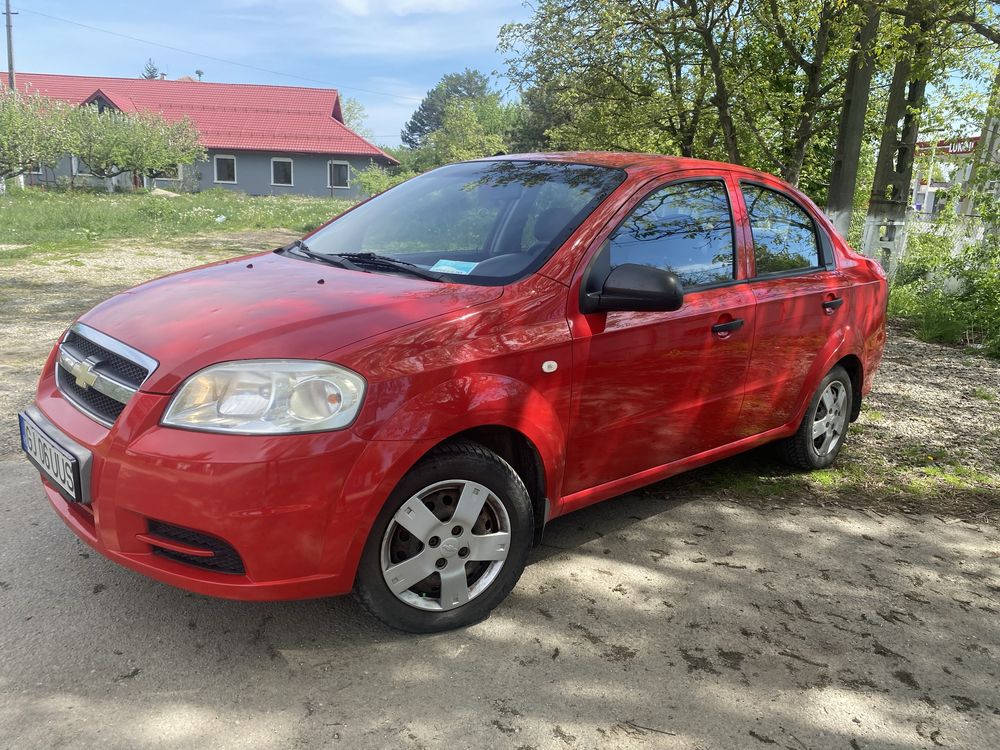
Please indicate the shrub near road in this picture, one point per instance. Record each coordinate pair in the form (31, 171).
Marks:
(37, 220)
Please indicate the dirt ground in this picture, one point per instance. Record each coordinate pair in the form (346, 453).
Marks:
(739, 606)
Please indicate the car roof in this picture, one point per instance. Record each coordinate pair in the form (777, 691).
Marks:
(632, 161)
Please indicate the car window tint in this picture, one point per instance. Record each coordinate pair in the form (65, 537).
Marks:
(784, 238)
(685, 228)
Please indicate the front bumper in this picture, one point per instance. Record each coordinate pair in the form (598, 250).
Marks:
(275, 500)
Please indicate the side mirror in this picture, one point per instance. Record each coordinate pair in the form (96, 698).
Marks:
(634, 288)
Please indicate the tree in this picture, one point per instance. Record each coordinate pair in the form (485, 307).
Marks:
(469, 84)
(111, 143)
(150, 71)
(470, 129)
(34, 130)
(356, 117)
(612, 74)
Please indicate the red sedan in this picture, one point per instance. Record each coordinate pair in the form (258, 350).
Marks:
(399, 403)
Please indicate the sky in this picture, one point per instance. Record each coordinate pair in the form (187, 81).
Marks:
(384, 53)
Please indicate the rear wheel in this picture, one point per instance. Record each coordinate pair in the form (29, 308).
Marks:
(450, 543)
(821, 435)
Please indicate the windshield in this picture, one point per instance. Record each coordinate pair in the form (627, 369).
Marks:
(488, 222)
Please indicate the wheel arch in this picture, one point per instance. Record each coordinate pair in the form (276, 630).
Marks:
(856, 371)
(518, 450)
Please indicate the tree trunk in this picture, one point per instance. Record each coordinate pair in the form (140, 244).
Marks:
(850, 134)
(884, 236)
(810, 100)
(721, 99)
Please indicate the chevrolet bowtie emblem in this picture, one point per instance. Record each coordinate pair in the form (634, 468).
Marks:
(84, 372)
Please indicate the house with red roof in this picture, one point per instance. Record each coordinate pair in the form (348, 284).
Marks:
(262, 140)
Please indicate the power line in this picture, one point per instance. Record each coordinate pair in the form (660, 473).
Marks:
(217, 59)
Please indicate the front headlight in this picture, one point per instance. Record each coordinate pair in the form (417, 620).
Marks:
(267, 397)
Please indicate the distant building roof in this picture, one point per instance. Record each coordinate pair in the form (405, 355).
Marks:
(229, 116)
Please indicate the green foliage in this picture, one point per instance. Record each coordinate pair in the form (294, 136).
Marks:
(470, 129)
(44, 219)
(150, 71)
(111, 143)
(429, 116)
(948, 295)
(666, 77)
(461, 118)
(377, 179)
(33, 130)
(355, 116)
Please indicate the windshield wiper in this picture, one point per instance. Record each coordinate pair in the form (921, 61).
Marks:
(384, 261)
(301, 248)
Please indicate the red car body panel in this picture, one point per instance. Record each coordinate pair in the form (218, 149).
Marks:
(635, 397)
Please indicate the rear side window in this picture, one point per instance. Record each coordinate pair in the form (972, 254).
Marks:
(685, 228)
(784, 236)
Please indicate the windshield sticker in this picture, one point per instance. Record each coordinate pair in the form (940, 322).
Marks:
(463, 267)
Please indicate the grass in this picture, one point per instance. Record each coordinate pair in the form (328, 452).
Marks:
(984, 394)
(38, 221)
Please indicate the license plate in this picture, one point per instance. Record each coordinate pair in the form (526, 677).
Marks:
(56, 464)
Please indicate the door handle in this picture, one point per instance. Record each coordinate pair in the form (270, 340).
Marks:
(732, 325)
(832, 304)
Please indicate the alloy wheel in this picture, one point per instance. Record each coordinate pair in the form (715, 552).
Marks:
(445, 545)
(830, 418)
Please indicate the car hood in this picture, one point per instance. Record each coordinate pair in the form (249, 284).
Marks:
(267, 306)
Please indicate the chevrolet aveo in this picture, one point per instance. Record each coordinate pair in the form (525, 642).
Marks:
(398, 404)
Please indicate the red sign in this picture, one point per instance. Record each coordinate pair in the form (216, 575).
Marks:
(952, 147)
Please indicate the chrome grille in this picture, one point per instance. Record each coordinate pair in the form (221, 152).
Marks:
(99, 374)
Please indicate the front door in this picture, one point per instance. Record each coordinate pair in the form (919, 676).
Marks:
(654, 387)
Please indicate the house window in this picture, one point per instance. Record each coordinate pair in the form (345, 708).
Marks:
(225, 169)
(35, 168)
(170, 173)
(80, 168)
(338, 174)
(281, 171)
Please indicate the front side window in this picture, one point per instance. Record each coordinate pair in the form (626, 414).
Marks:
(338, 174)
(784, 236)
(281, 171)
(685, 228)
(225, 169)
(485, 222)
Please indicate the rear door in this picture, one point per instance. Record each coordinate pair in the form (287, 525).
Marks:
(801, 297)
(654, 387)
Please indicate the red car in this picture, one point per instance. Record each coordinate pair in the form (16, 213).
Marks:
(398, 404)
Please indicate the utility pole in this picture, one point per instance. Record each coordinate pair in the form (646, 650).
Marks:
(10, 45)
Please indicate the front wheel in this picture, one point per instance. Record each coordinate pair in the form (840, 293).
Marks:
(821, 435)
(450, 543)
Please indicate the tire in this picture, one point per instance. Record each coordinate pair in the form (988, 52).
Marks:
(419, 555)
(829, 408)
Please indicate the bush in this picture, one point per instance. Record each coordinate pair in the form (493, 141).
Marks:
(377, 179)
(950, 295)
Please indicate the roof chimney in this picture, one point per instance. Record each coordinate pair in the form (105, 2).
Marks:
(163, 76)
